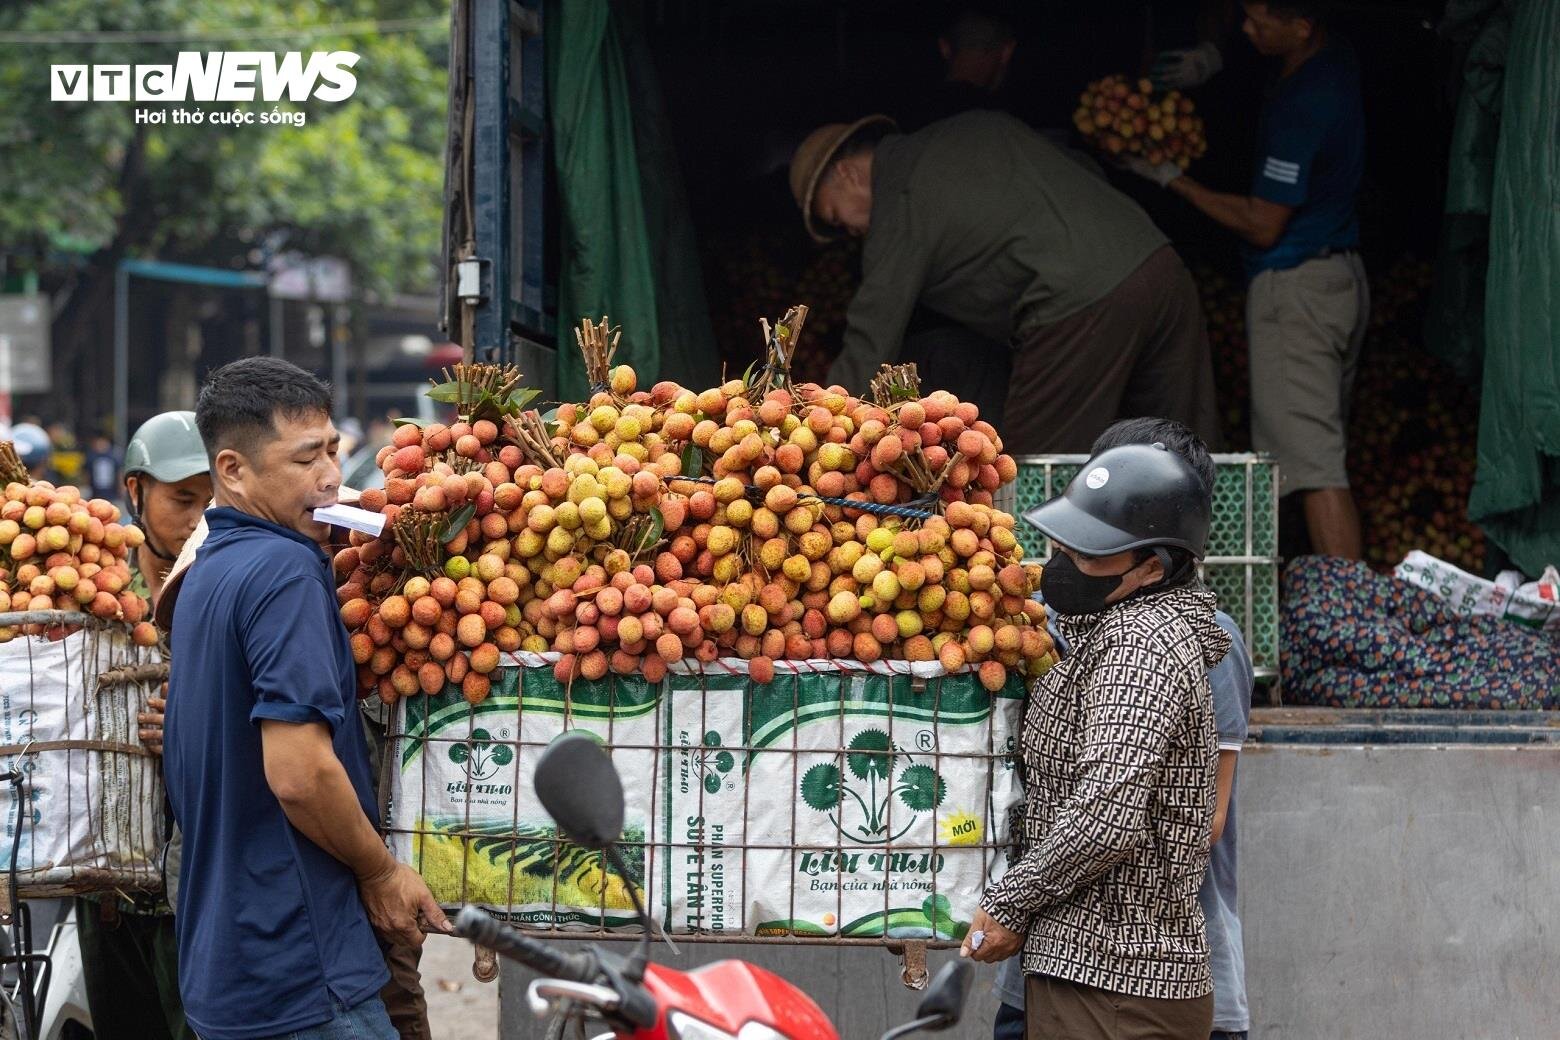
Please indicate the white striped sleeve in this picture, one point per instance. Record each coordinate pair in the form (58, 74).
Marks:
(1280, 170)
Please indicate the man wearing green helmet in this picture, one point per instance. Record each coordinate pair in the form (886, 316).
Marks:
(129, 951)
(168, 486)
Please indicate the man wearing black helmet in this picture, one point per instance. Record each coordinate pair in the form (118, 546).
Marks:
(1119, 756)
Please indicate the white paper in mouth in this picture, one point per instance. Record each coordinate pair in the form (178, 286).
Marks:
(351, 517)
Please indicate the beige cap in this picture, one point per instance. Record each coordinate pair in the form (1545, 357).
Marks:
(813, 156)
(162, 613)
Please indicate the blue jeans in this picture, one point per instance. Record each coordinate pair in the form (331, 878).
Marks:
(1009, 1023)
(366, 1020)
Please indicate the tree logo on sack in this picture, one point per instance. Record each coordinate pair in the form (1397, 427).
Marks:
(860, 801)
(713, 765)
(480, 757)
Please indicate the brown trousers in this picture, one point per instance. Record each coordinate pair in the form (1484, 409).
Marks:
(403, 994)
(1055, 1009)
(1142, 350)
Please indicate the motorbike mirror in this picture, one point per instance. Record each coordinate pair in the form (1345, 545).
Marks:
(944, 1000)
(580, 790)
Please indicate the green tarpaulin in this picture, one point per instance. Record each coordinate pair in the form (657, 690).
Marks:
(625, 245)
(1506, 163)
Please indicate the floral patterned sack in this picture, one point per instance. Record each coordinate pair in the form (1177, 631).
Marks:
(1353, 638)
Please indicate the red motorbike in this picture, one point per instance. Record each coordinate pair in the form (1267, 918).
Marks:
(638, 1000)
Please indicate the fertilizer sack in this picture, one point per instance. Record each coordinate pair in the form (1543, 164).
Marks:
(834, 803)
(826, 803)
(463, 812)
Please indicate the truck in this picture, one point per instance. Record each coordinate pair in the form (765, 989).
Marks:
(1396, 866)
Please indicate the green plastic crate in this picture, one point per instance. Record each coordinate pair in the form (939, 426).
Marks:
(1242, 563)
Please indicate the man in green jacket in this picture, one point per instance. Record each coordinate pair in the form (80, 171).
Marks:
(984, 221)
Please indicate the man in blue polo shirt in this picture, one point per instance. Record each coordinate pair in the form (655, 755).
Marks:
(284, 879)
(1308, 301)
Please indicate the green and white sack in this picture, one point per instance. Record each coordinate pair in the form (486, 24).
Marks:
(463, 813)
(867, 807)
(853, 803)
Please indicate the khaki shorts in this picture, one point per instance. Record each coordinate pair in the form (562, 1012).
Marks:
(1305, 326)
(1056, 1009)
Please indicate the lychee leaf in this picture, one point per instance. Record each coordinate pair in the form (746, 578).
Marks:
(447, 393)
(922, 789)
(692, 460)
(412, 420)
(518, 399)
(871, 754)
(458, 521)
(823, 787)
(652, 533)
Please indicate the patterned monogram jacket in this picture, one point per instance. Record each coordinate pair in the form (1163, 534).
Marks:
(1120, 759)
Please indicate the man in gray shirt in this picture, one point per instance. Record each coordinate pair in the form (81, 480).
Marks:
(983, 221)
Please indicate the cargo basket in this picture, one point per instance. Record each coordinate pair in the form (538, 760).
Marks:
(1242, 563)
(91, 796)
(840, 803)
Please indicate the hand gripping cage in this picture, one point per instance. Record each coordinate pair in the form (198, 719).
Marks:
(841, 803)
(84, 811)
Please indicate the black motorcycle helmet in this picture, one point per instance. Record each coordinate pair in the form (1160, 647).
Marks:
(1137, 496)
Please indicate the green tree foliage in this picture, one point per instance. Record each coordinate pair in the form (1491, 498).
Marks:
(361, 179)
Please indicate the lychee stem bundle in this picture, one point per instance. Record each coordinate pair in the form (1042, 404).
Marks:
(481, 388)
(11, 468)
(598, 343)
(530, 433)
(780, 343)
(417, 536)
(895, 383)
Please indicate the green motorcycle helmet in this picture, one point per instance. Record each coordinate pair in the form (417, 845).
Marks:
(167, 448)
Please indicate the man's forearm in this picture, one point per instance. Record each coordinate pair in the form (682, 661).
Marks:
(1235, 212)
(318, 798)
(332, 818)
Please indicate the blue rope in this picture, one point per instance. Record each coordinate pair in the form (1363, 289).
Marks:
(913, 511)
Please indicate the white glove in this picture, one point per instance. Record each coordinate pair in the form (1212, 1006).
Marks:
(1160, 173)
(1186, 68)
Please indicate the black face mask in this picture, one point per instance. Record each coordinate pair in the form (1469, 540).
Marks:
(1067, 590)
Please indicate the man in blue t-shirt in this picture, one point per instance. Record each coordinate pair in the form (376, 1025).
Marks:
(284, 880)
(1308, 301)
(1230, 682)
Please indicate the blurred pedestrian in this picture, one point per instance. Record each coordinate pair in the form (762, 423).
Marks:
(103, 462)
(36, 450)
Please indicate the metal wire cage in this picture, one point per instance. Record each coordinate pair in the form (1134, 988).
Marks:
(85, 810)
(840, 803)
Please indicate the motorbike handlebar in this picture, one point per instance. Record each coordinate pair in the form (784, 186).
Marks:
(483, 930)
